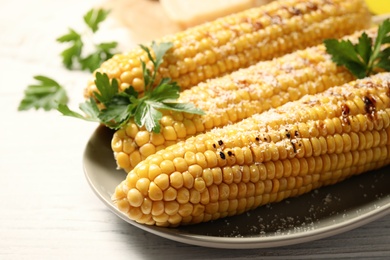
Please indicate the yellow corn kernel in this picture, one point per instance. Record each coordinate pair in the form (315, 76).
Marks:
(135, 198)
(155, 193)
(142, 186)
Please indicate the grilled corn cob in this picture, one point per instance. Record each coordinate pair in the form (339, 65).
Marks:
(234, 97)
(318, 140)
(239, 40)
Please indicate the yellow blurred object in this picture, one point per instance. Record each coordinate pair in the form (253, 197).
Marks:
(379, 6)
(136, 15)
(188, 13)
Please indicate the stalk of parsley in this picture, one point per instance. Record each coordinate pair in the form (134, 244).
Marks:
(365, 57)
(119, 107)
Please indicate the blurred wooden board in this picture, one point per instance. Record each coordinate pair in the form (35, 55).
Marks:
(146, 19)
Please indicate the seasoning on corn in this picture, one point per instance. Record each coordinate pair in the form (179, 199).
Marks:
(239, 40)
(318, 140)
(234, 97)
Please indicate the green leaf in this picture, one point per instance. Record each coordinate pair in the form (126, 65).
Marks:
(363, 58)
(140, 113)
(159, 51)
(384, 59)
(382, 37)
(94, 60)
(377, 57)
(149, 117)
(88, 108)
(146, 110)
(91, 62)
(174, 106)
(386, 40)
(166, 90)
(94, 17)
(363, 48)
(107, 89)
(357, 69)
(117, 112)
(72, 55)
(47, 95)
(147, 50)
(91, 110)
(180, 107)
(65, 110)
(341, 51)
(130, 92)
(147, 75)
(72, 35)
(107, 46)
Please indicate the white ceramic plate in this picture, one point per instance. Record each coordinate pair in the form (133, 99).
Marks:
(321, 213)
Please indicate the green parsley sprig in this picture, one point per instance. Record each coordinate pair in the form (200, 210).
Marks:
(119, 107)
(73, 55)
(365, 57)
(46, 94)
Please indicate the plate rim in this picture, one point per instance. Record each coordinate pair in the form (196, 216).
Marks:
(241, 242)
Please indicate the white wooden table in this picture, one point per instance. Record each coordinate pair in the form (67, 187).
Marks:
(47, 209)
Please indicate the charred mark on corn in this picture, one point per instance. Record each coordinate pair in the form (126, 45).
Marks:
(222, 155)
(369, 104)
(388, 90)
(288, 135)
(345, 110)
(312, 6)
(294, 11)
(293, 142)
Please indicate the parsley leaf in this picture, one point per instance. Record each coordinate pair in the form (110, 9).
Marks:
(117, 112)
(146, 115)
(365, 57)
(72, 53)
(47, 94)
(106, 88)
(90, 109)
(94, 17)
(103, 52)
(119, 107)
(159, 52)
(72, 56)
(166, 90)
